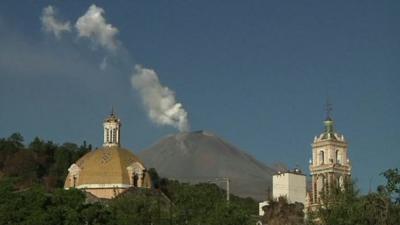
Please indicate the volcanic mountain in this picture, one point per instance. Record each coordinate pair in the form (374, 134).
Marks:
(202, 156)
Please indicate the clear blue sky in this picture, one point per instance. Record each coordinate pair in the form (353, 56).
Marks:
(256, 73)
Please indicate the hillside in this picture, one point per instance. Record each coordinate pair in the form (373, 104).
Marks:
(201, 156)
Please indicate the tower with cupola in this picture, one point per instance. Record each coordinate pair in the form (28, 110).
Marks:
(112, 130)
(330, 163)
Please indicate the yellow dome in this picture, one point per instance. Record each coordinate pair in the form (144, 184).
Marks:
(108, 168)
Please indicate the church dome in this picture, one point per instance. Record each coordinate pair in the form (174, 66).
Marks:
(107, 166)
(108, 171)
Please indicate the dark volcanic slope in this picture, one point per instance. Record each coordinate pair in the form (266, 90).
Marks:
(199, 156)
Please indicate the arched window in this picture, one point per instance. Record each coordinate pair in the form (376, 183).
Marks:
(320, 186)
(315, 192)
(136, 174)
(321, 157)
(74, 182)
(114, 136)
(338, 157)
(135, 179)
(325, 183)
(108, 136)
(341, 182)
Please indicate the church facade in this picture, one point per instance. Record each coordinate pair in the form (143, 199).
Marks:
(330, 164)
(108, 171)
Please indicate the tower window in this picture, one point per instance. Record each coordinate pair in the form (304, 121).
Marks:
(108, 135)
(321, 157)
(111, 135)
(338, 157)
(74, 184)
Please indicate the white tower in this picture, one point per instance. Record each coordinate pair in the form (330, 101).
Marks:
(112, 130)
(330, 164)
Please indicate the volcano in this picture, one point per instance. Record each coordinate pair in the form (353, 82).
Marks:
(202, 157)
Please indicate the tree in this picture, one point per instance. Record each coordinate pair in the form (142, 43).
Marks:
(9, 146)
(281, 212)
(17, 140)
(347, 207)
(155, 178)
(393, 183)
(393, 188)
(22, 165)
(206, 203)
(35, 206)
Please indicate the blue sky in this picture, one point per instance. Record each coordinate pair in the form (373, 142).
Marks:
(256, 73)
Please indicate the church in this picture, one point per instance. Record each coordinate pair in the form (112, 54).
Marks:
(111, 170)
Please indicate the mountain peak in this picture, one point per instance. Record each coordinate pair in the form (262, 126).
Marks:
(195, 156)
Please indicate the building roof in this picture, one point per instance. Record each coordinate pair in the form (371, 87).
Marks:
(106, 165)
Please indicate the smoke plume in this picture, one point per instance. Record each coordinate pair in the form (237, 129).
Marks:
(92, 25)
(159, 100)
(51, 25)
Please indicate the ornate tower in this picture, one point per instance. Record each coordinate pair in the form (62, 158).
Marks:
(330, 164)
(112, 130)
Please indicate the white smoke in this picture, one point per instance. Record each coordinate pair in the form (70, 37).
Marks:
(159, 100)
(51, 25)
(93, 26)
(103, 64)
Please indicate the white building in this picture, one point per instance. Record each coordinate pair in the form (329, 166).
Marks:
(288, 184)
(291, 185)
(260, 207)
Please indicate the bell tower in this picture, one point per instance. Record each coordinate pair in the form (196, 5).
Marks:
(112, 130)
(330, 164)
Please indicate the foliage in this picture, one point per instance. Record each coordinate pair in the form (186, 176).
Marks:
(32, 177)
(206, 204)
(279, 212)
(36, 206)
(345, 206)
(393, 183)
(39, 162)
(141, 206)
(191, 204)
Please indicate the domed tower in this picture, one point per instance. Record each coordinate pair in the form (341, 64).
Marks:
(108, 171)
(330, 164)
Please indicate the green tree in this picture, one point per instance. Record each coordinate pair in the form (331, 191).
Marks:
(346, 206)
(34, 206)
(393, 183)
(17, 140)
(140, 206)
(281, 212)
(22, 165)
(206, 204)
(10, 145)
(393, 188)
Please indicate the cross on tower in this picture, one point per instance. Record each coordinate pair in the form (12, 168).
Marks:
(112, 111)
(328, 109)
